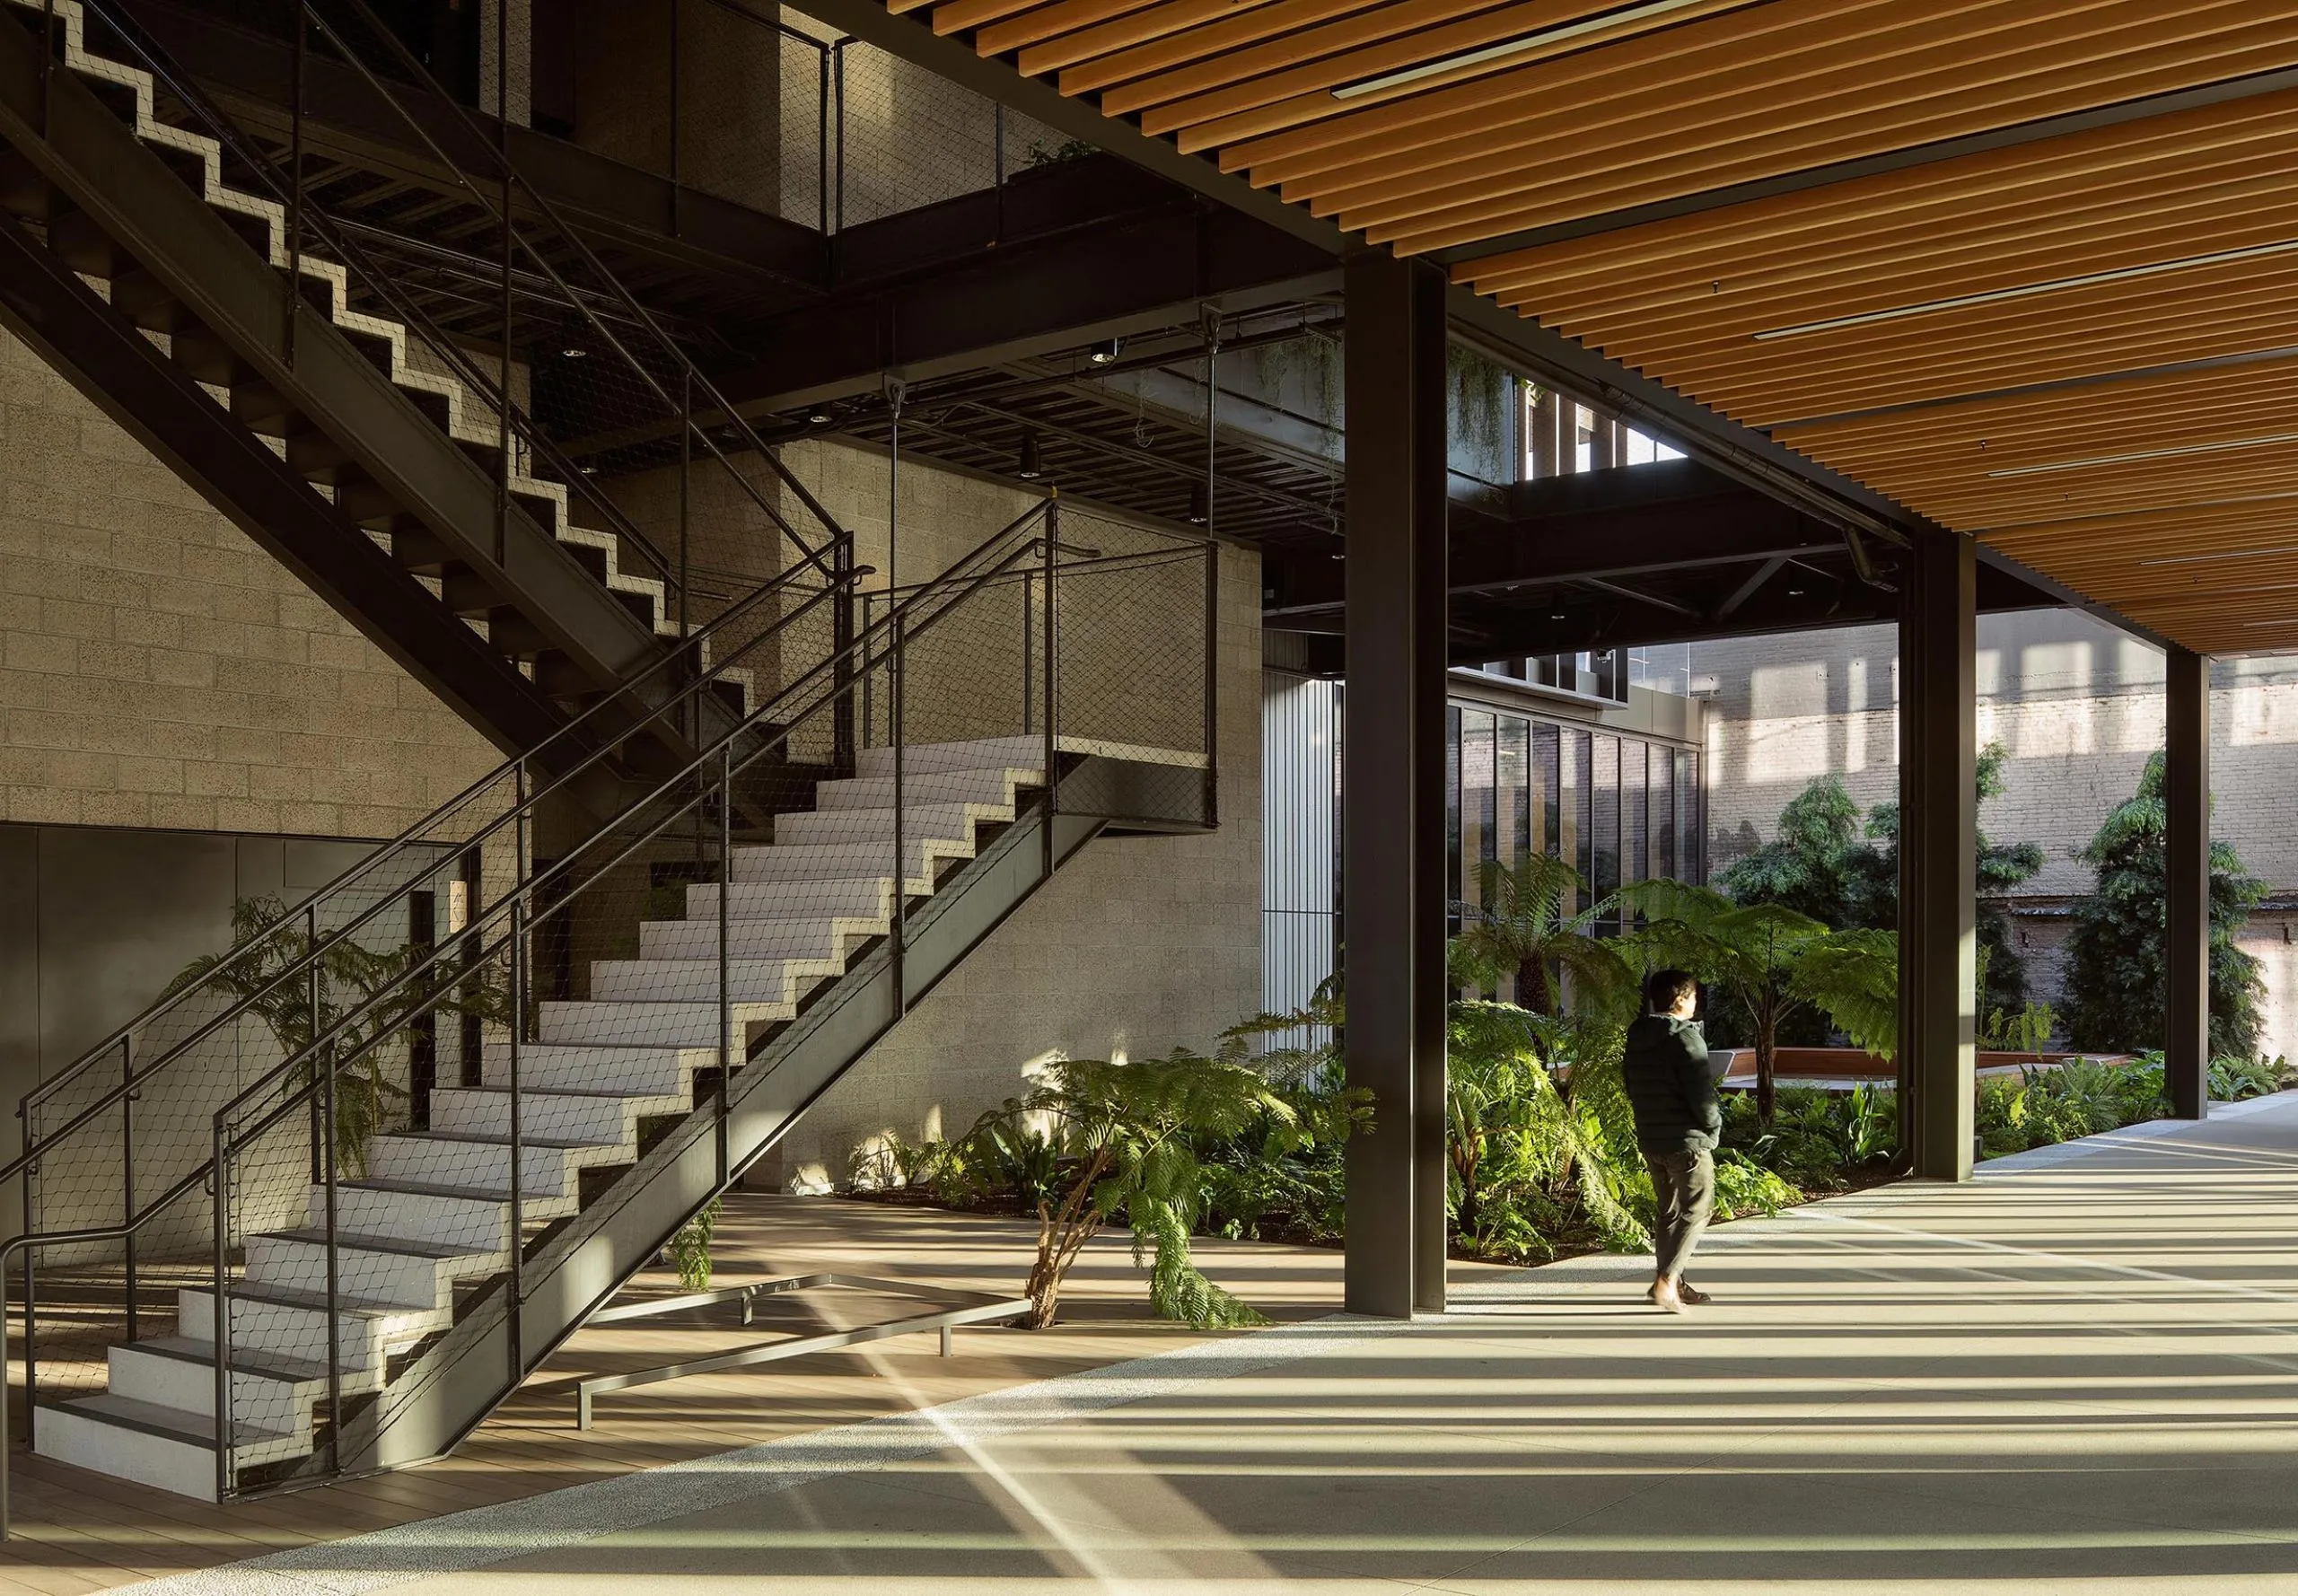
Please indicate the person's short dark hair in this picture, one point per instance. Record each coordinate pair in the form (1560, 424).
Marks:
(1667, 988)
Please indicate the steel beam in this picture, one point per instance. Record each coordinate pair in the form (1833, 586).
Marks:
(1938, 853)
(1127, 275)
(2186, 948)
(1393, 747)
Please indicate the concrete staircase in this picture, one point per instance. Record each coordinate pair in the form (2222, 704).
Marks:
(428, 1225)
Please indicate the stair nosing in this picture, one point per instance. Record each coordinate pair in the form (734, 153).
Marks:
(244, 1434)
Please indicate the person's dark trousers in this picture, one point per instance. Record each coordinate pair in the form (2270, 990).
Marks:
(1683, 1185)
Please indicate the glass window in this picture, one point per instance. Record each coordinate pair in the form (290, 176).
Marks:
(1476, 795)
(1452, 814)
(1512, 760)
(1663, 814)
(1688, 816)
(1635, 762)
(1603, 847)
(1547, 787)
(1579, 836)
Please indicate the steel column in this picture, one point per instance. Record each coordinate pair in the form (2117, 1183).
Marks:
(1938, 847)
(2186, 805)
(1393, 779)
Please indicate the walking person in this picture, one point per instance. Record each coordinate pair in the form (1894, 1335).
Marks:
(1678, 1121)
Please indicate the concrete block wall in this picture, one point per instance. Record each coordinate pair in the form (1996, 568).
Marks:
(1140, 945)
(160, 670)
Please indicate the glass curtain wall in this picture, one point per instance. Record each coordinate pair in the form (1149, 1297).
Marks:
(1620, 807)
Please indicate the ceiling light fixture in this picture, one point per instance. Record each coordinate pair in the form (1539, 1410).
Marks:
(1197, 501)
(1106, 352)
(575, 352)
(2170, 453)
(2026, 290)
(820, 418)
(1584, 28)
(1030, 468)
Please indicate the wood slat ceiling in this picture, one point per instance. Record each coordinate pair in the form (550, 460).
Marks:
(2054, 345)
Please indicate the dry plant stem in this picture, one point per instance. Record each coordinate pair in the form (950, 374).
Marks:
(1061, 1236)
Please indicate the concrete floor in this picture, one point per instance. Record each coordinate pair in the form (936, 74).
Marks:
(2080, 1373)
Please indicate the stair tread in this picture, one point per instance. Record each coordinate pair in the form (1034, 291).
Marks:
(174, 1424)
(473, 1138)
(538, 1092)
(406, 1246)
(288, 1296)
(484, 1194)
(190, 1349)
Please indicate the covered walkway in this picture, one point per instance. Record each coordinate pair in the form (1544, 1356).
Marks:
(2080, 1370)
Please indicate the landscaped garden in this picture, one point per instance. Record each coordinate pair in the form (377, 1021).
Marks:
(1246, 1139)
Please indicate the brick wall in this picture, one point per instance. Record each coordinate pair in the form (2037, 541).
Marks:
(163, 671)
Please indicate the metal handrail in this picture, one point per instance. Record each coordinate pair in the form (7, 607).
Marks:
(322, 1049)
(693, 689)
(24, 1244)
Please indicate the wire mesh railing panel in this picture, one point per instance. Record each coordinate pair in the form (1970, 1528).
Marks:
(907, 138)
(1132, 658)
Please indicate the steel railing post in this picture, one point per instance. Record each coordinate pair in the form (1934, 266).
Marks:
(1051, 753)
(837, 74)
(127, 1171)
(725, 946)
(315, 1000)
(295, 305)
(31, 1312)
(1212, 575)
(897, 689)
(222, 1321)
(326, 1064)
(822, 142)
(515, 1283)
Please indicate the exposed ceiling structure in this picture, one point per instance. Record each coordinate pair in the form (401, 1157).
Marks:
(2024, 268)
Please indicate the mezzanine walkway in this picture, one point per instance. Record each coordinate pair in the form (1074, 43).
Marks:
(2080, 1373)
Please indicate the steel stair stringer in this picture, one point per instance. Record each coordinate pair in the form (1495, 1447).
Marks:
(45, 304)
(452, 1385)
(82, 148)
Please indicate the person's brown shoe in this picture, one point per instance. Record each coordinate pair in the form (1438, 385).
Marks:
(1666, 1295)
(1691, 1295)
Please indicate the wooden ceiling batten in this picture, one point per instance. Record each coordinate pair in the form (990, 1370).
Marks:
(1042, 22)
(1771, 153)
(1304, 92)
(1904, 65)
(1217, 56)
(1172, 25)
(2180, 295)
(1696, 249)
(2079, 343)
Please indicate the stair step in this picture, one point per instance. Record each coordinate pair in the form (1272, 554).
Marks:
(793, 863)
(989, 753)
(546, 1171)
(456, 1216)
(572, 1066)
(854, 897)
(151, 1419)
(863, 826)
(270, 1389)
(662, 1025)
(814, 939)
(577, 1117)
(750, 980)
(410, 1269)
(999, 785)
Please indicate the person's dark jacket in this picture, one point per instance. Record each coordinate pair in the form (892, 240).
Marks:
(1671, 1086)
